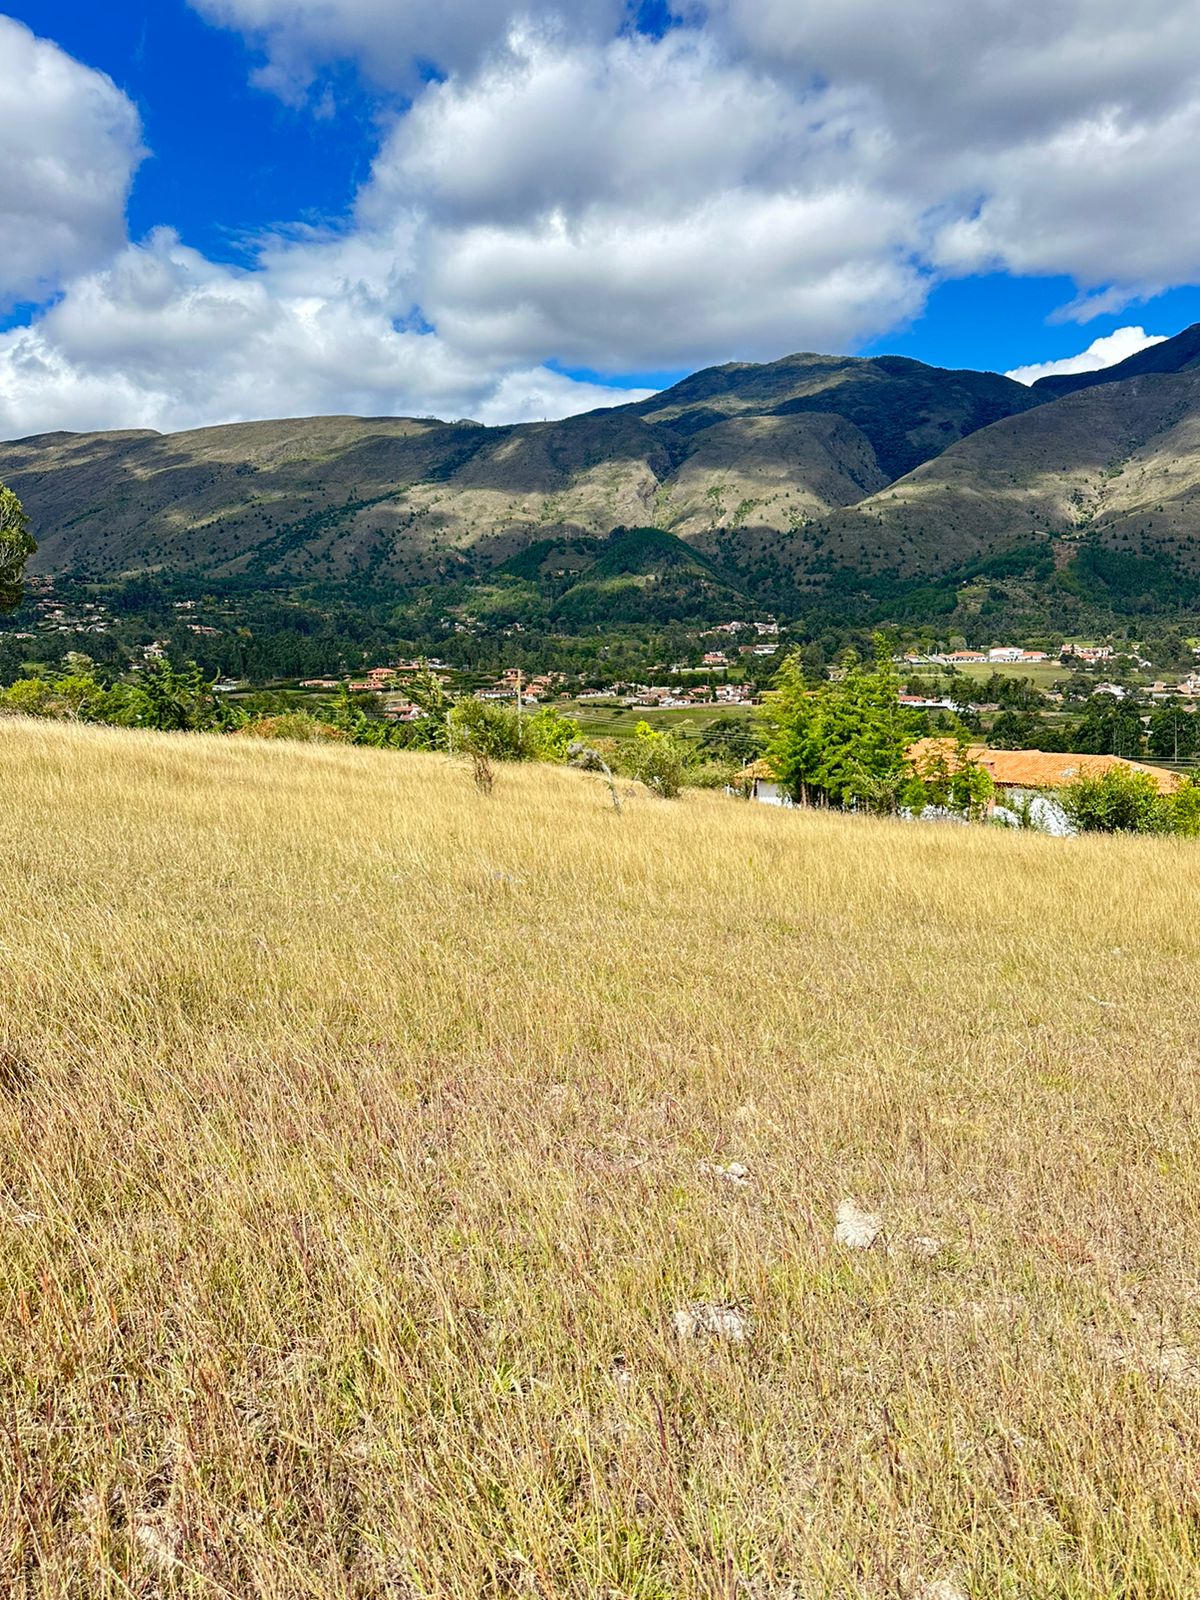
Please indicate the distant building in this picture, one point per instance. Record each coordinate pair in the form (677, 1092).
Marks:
(761, 784)
(1031, 776)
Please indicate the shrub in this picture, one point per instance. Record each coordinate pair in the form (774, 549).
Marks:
(495, 732)
(656, 759)
(1118, 801)
(712, 775)
(297, 725)
(1184, 810)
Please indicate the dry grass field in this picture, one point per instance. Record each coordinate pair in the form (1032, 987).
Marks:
(360, 1138)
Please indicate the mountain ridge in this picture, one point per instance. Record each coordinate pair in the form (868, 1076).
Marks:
(778, 475)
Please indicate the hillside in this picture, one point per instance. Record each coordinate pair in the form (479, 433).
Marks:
(399, 500)
(390, 1172)
(796, 484)
(1113, 468)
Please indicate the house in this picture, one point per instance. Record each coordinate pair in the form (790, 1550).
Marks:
(715, 658)
(1081, 652)
(760, 783)
(1030, 777)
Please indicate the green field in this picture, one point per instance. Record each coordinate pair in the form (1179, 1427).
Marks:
(1040, 673)
(610, 719)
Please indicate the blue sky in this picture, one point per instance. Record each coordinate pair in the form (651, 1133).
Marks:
(362, 205)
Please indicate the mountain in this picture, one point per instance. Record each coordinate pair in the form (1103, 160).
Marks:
(1113, 469)
(1172, 355)
(803, 482)
(731, 452)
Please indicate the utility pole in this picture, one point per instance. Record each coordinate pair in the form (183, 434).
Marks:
(520, 679)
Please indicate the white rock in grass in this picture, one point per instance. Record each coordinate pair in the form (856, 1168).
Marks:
(923, 1247)
(160, 1538)
(734, 1173)
(857, 1230)
(1165, 1363)
(718, 1322)
(941, 1589)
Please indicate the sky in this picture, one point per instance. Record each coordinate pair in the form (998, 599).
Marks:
(216, 210)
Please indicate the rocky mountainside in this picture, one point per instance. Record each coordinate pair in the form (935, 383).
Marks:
(785, 477)
(728, 450)
(1116, 465)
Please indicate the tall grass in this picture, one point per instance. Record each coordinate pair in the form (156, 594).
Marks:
(359, 1135)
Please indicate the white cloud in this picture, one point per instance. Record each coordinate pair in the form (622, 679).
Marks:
(1055, 139)
(1101, 353)
(777, 175)
(71, 144)
(164, 339)
(644, 204)
(648, 234)
(393, 40)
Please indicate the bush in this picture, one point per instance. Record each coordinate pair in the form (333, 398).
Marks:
(1184, 809)
(297, 725)
(712, 775)
(496, 733)
(1118, 801)
(656, 759)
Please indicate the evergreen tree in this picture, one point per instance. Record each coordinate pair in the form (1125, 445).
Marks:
(16, 546)
(843, 742)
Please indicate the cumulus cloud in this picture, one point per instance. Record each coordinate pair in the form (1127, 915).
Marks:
(1105, 352)
(71, 144)
(644, 204)
(650, 233)
(163, 338)
(1051, 139)
(553, 188)
(395, 42)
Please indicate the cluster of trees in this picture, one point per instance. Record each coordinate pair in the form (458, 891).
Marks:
(158, 695)
(845, 742)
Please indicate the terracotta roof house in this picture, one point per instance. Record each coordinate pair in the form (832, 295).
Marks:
(1034, 775)
(1036, 769)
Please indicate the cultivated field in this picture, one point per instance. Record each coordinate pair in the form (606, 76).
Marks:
(358, 1134)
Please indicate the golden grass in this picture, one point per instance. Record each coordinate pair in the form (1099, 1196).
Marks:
(353, 1127)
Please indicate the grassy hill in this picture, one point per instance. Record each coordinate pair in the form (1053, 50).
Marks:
(729, 451)
(1115, 467)
(359, 1142)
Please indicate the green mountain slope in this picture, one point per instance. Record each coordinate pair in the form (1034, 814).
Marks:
(1114, 467)
(735, 452)
(783, 483)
